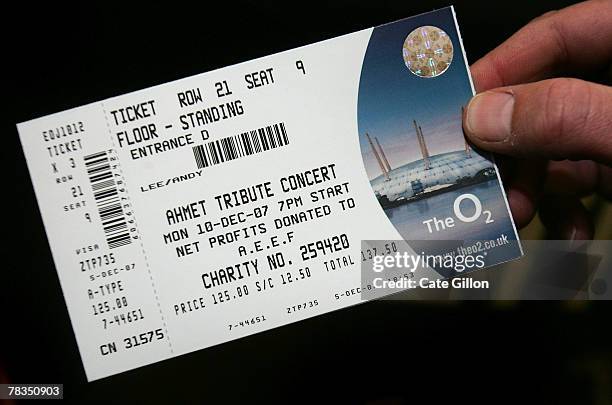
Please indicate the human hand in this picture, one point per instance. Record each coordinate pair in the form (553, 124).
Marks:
(559, 131)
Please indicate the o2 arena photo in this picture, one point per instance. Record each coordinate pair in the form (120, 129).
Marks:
(431, 174)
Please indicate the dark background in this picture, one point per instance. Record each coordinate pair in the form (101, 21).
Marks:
(58, 58)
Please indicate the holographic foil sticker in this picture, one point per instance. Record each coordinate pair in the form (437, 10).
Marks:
(428, 51)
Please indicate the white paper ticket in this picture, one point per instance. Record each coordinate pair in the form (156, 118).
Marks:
(231, 202)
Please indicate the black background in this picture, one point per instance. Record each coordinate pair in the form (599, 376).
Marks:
(58, 58)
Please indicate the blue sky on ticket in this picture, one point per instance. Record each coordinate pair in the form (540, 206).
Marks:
(391, 97)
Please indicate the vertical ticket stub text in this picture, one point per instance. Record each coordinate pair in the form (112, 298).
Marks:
(231, 202)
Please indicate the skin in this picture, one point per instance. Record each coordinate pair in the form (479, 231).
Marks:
(554, 131)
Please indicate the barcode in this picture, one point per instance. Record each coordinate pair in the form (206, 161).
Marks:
(107, 199)
(237, 146)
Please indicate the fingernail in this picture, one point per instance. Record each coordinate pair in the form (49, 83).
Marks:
(489, 116)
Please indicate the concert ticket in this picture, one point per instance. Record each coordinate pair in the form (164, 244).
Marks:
(231, 202)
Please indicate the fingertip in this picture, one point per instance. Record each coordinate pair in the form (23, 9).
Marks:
(488, 118)
(484, 76)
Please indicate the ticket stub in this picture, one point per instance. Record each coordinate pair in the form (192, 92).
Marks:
(220, 205)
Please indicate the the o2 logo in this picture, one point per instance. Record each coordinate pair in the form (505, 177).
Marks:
(461, 213)
(477, 213)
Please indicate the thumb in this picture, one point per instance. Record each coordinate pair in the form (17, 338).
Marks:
(552, 119)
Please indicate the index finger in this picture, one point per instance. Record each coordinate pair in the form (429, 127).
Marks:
(576, 37)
